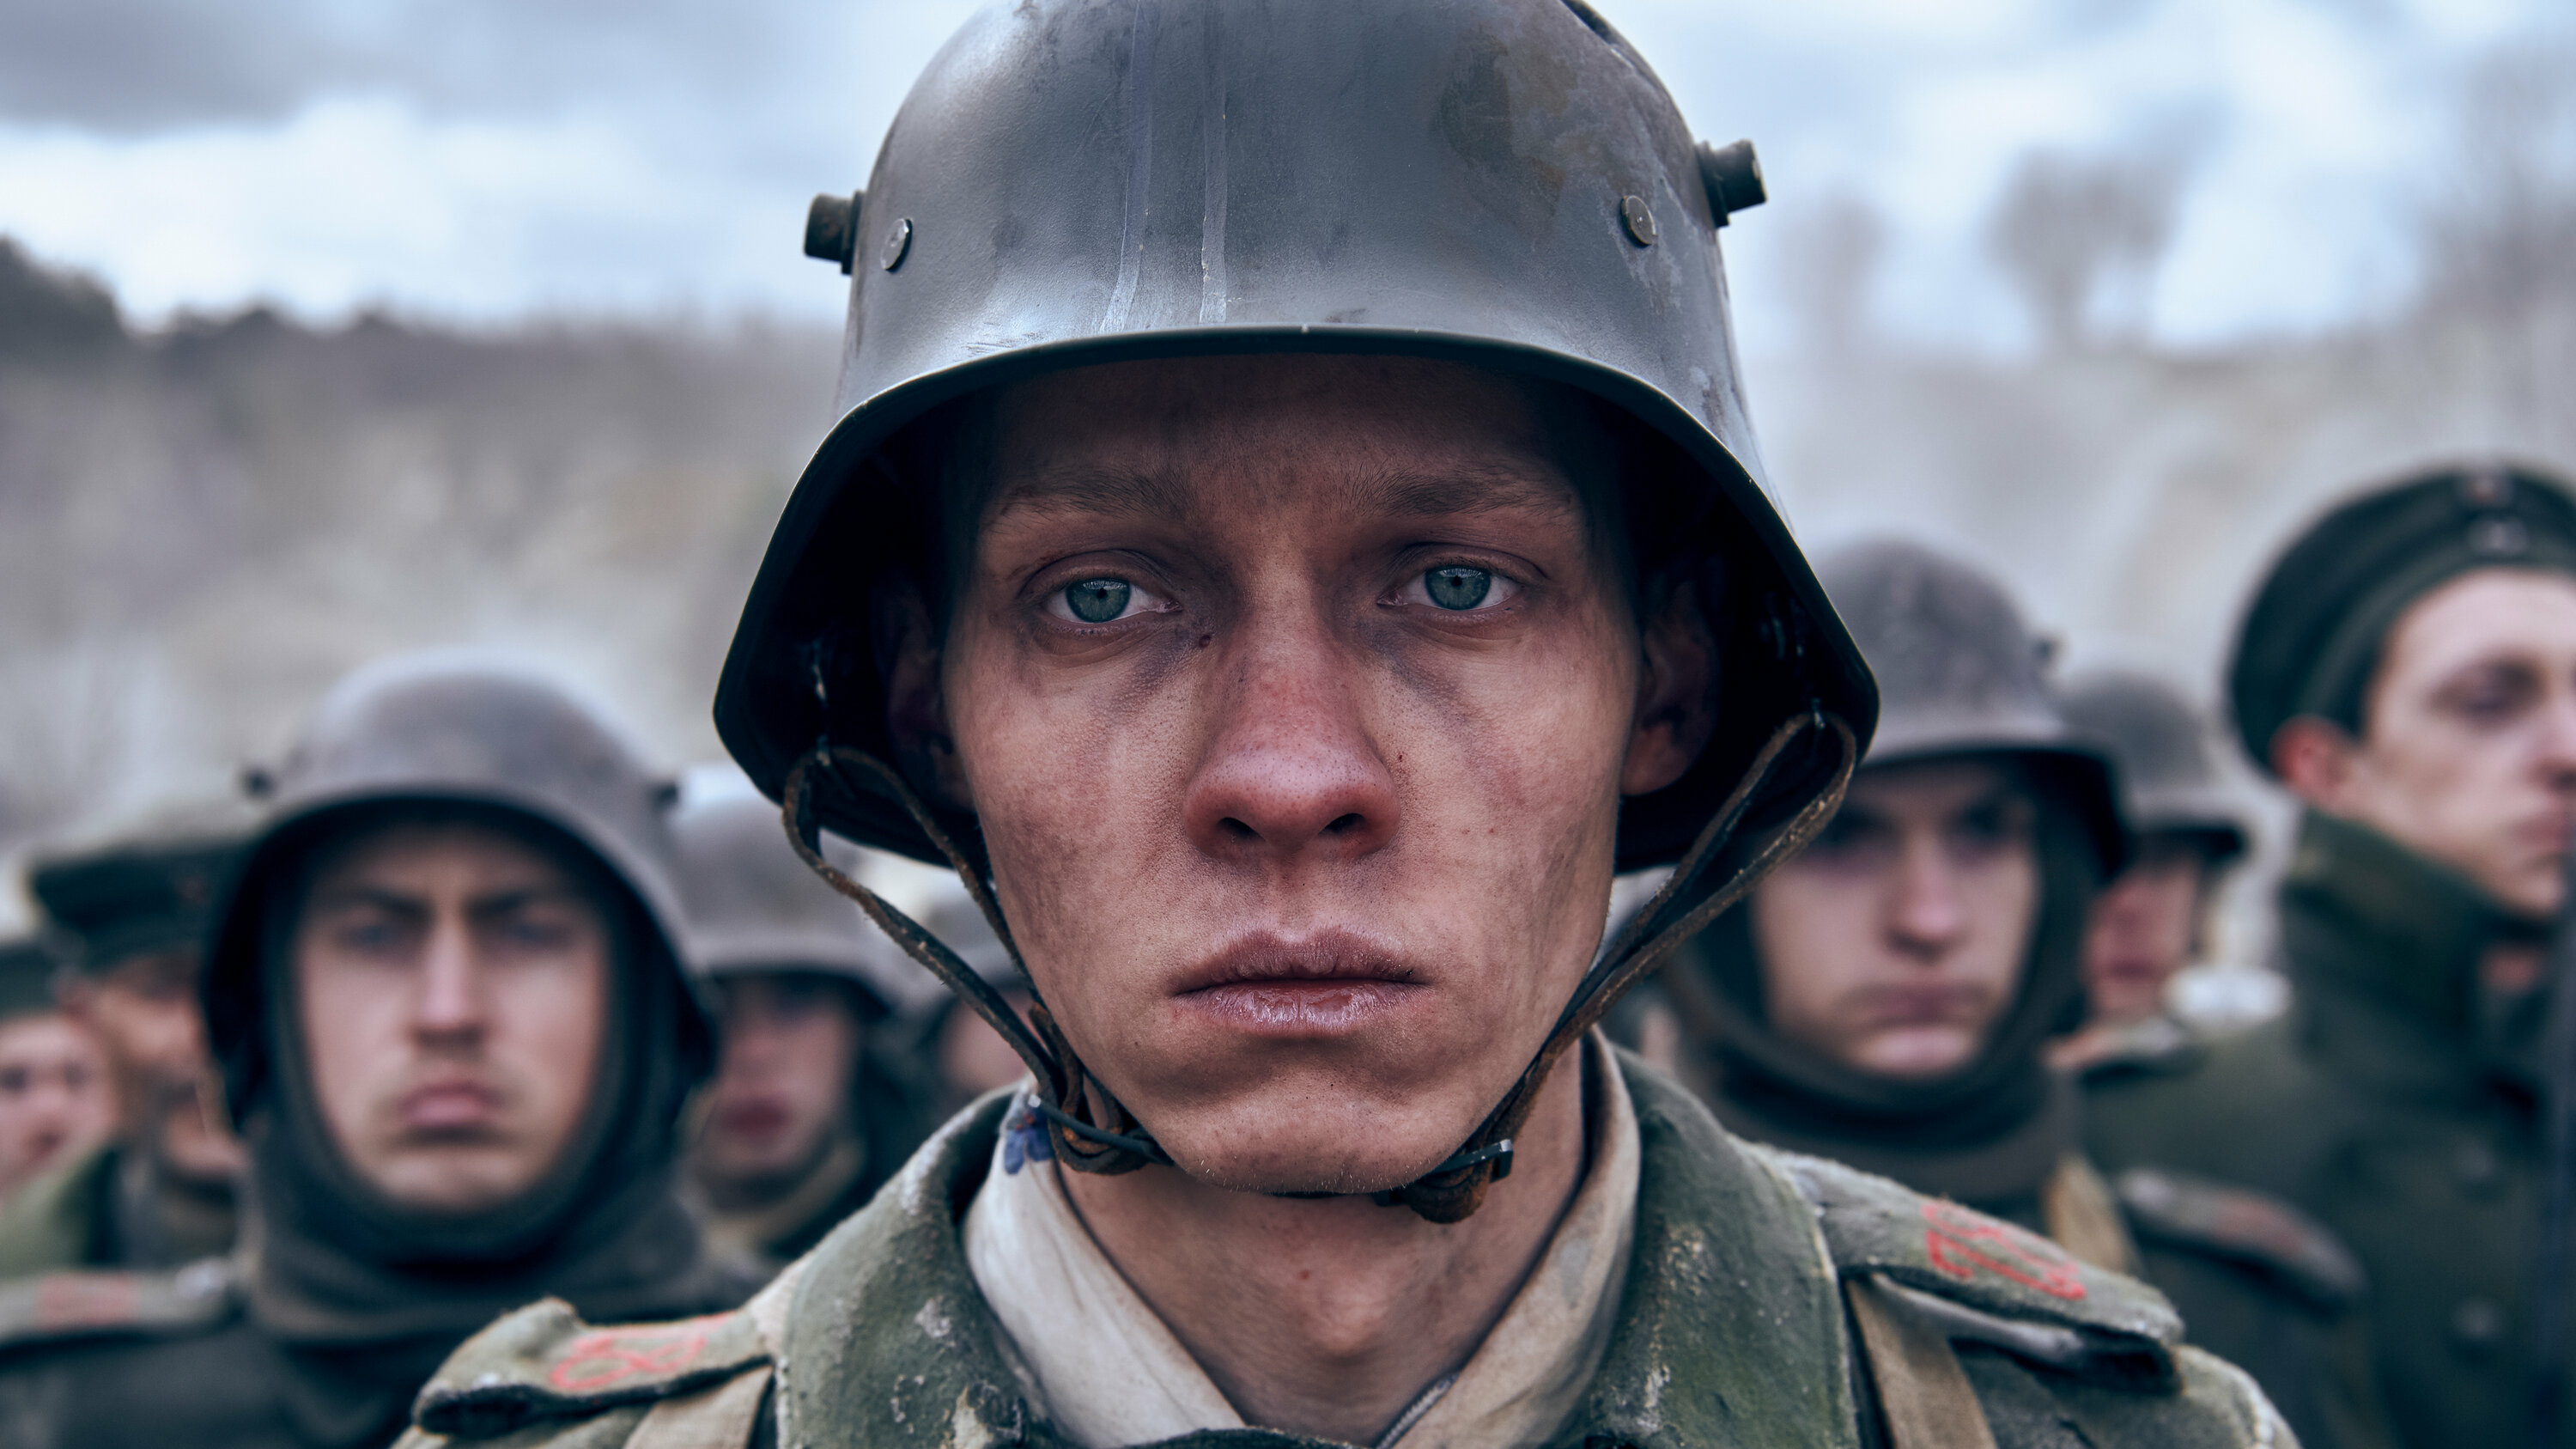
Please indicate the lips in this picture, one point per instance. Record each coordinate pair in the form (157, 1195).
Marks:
(755, 1118)
(450, 1106)
(1922, 1005)
(1327, 984)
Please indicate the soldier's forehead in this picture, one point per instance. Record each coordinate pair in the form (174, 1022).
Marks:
(1175, 491)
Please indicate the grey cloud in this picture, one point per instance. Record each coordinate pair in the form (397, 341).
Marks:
(139, 66)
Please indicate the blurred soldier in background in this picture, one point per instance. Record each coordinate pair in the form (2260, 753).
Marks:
(452, 1023)
(2152, 920)
(1885, 997)
(1296, 599)
(808, 1113)
(2408, 671)
(55, 1100)
(162, 1191)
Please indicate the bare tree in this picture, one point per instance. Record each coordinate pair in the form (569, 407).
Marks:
(2069, 228)
(2499, 229)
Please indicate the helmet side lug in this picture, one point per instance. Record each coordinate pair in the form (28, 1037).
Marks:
(1733, 176)
(832, 228)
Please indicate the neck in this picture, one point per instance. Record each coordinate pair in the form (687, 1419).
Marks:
(1329, 1316)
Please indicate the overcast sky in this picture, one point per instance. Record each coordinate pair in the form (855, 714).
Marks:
(489, 159)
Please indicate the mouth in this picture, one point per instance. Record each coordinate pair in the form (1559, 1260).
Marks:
(1327, 984)
(754, 1119)
(449, 1107)
(1917, 1006)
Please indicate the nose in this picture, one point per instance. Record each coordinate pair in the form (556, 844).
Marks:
(1925, 918)
(1291, 769)
(449, 1004)
(2557, 754)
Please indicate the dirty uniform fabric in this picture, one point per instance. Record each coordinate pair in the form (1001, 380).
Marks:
(1731, 1329)
(114, 1207)
(2392, 1103)
(1110, 1373)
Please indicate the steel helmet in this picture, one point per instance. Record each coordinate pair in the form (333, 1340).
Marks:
(1500, 183)
(451, 727)
(1960, 673)
(2169, 776)
(754, 907)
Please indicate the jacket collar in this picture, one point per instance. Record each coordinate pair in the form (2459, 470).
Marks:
(2362, 915)
(1730, 1332)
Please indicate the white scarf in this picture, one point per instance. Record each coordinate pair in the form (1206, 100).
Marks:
(1110, 1373)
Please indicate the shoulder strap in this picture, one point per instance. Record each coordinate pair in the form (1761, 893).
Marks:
(2084, 1219)
(698, 1380)
(1936, 1246)
(2249, 1227)
(1924, 1397)
(61, 1306)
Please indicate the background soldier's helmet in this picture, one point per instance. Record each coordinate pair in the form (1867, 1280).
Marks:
(1497, 182)
(460, 729)
(1960, 673)
(2170, 783)
(754, 907)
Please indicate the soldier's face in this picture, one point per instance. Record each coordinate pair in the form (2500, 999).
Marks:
(452, 993)
(2468, 748)
(2145, 927)
(145, 1011)
(1296, 697)
(1895, 941)
(54, 1097)
(788, 1045)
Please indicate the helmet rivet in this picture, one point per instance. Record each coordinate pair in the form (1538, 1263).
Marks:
(1640, 218)
(898, 242)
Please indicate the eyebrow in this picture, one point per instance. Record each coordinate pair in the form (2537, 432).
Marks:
(1408, 493)
(496, 903)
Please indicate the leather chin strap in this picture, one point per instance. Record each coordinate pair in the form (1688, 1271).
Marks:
(1091, 1132)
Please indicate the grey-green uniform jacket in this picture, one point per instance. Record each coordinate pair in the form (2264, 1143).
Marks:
(1757, 1276)
(2387, 1106)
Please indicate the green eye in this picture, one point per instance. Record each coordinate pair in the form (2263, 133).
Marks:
(1458, 587)
(1097, 601)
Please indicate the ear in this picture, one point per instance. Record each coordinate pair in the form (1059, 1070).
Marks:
(917, 702)
(2315, 758)
(1675, 710)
